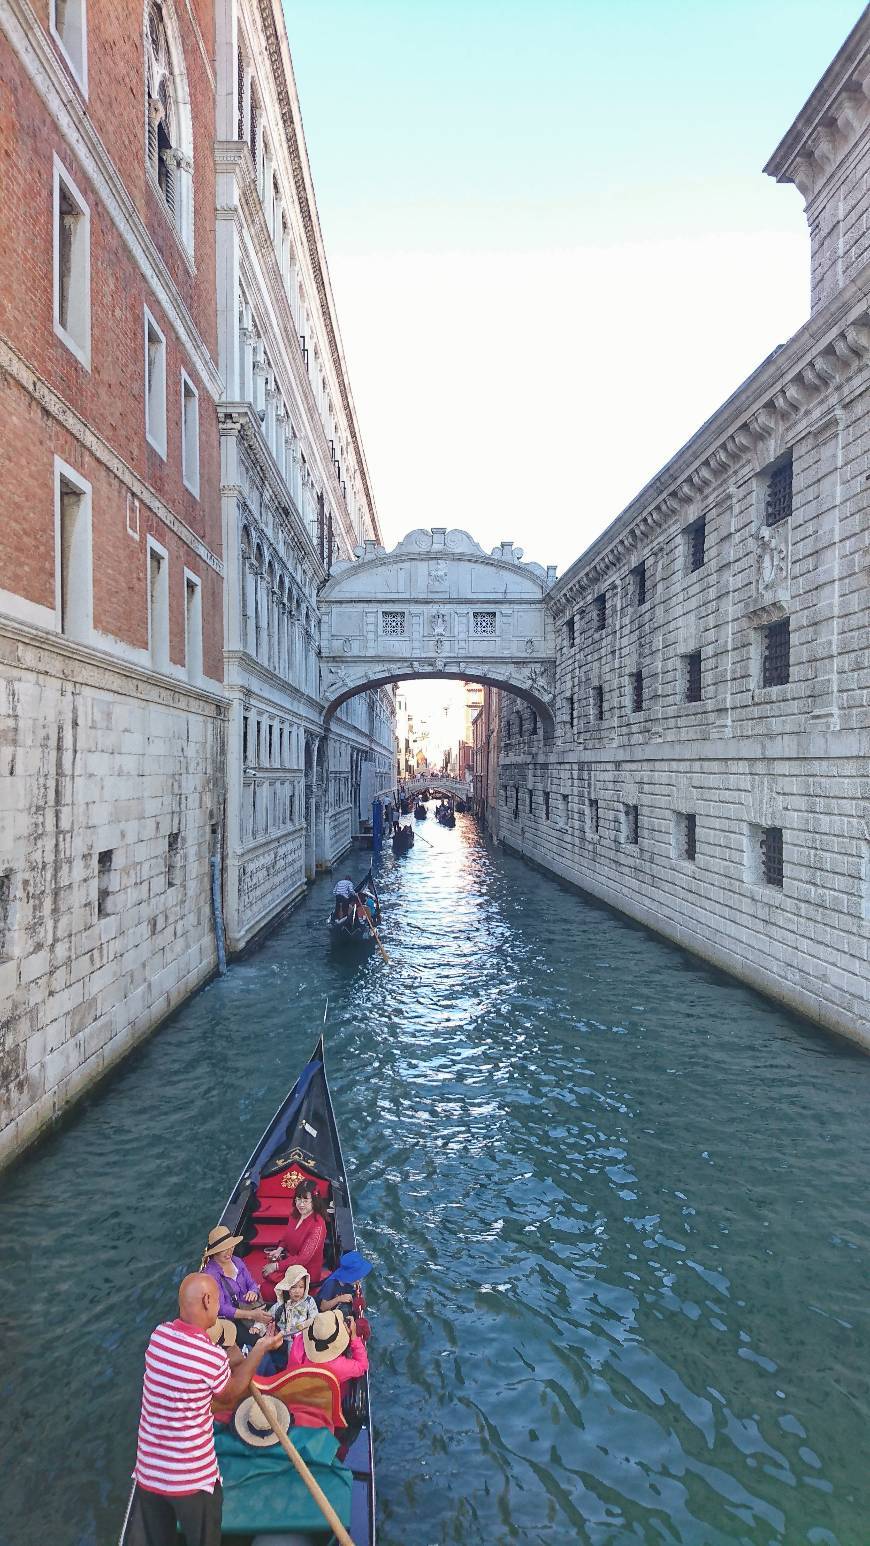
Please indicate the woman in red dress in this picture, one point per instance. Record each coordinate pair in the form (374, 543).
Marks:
(304, 1239)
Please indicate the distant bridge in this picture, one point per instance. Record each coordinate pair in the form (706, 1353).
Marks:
(457, 788)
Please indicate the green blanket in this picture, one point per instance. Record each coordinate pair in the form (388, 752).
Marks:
(262, 1491)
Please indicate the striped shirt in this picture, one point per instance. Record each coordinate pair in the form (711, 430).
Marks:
(183, 1370)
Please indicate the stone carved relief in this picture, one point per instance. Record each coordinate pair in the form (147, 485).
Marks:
(437, 575)
(771, 566)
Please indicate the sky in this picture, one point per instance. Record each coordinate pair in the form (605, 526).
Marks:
(551, 244)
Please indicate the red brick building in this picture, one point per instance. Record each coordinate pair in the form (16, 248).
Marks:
(111, 575)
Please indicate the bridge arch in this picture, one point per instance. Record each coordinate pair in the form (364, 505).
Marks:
(438, 606)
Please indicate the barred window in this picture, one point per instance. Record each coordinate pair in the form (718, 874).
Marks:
(592, 817)
(516, 801)
(570, 632)
(571, 710)
(693, 677)
(600, 605)
(393, 625)
(546, 804)
(776, 654)
(483, 624)
(507, 729)
(689, 836)
(598, 704)
(636, 684)
(629, 824)
(638, 575)
(696, 536)
(771, 856)
(777, 501)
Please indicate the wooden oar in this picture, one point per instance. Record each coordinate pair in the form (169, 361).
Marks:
(365, 913)
(314, 1487)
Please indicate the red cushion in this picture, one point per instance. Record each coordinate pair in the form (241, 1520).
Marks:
(277, 1208)
(268, 1234)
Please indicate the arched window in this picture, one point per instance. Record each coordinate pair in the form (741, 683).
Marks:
(170, 140)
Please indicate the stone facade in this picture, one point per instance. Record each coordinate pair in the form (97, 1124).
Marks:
(709, 772)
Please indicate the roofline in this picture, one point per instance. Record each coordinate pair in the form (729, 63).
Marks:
(818, 104)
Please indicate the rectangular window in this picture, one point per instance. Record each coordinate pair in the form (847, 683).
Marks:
(534, 729)
(776, 653)
(689, 836)
(598, 704)
(636, 691)
(155, 385)
(72, 266)
(193, 626)
(570, 632)
(104, 882)
(504, 794)
(571, 710)
(692, 677)
(777, 498)
(158, 605)
(565, 809)
(771, 856)
(516, 801)
(259, 730)
(483, 624)
(696, 537)
(530, 794)
(629, 824)
(173, 858)
(638, 575)
(546, 805)
(507, 730)
(270, 729)
(73, 553)
(69, 28)
(245, 724)
(189, 434)
(393, 624)
(592, 817)
(600, 606)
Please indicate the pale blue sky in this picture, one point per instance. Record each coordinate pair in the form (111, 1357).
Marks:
(552, 247)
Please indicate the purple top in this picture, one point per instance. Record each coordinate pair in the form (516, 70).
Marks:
(232, 1290)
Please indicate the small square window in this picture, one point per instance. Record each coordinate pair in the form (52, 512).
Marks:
(771, 856)
(393, 625)
(630, 824)
(72, 267)
(636, 691)
(696, 537)
(777, 498)
(600, 607)
(483, 625)
(155, 385)
(592, 817)
(692, 677)
(638, 575)
(598, 704)
(189, 434)
(776, 654)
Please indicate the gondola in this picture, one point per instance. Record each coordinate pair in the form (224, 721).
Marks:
(445, 815)
(403, 839)
(300, 1142)
(356, 930)
(420, 812)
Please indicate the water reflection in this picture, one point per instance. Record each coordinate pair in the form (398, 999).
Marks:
(611, 1196)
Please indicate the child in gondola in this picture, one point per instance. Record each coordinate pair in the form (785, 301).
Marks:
(343, 1291)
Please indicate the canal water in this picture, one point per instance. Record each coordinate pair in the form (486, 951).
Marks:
(616, 1204)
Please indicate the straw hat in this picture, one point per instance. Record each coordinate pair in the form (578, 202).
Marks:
(326, 1337)
(291, 1277)
(222, 1333)
(251, 1425)
(220, 1239)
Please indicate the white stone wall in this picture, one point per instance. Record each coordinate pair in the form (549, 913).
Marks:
(96, 758)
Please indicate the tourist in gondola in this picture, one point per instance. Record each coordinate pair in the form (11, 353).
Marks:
(303, 1240)
(294, 1310)
(240, 1298)
(178, 1483)
(331, 1342)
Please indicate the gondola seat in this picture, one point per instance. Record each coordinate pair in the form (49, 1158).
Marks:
(284, 1186)
(312, 1396)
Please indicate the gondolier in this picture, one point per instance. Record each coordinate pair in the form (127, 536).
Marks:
(177, 1479)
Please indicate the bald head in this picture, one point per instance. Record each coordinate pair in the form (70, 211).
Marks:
(198, 1300)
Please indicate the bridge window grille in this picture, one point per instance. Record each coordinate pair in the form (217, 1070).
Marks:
(776, 654)
(393, 625)
(570, 633)
(638, 574)
(696, 537)
(546, 804)
(483, 624)
(592, 817)
(630, 824)
(690, 847)
(693, 677)
(771, 856)
(598, 704)
(636, 682)
(600, 605)
(777, 501)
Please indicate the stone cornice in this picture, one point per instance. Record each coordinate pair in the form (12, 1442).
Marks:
(62, 100)
(831, 120)
(39, 389)
(240, 419)
(275, 37)
(792, 389)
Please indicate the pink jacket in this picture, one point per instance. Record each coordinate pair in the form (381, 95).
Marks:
(348, 1366)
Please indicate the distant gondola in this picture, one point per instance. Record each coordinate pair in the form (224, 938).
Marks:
(420, 812)
(353, 928)
(445, 815)
(261, 1489)
(403, 839)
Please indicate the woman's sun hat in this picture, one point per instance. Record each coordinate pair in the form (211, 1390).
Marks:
(291, 1277)
(222, 1333)
(326, 1337)
(251, 1425)
(220, 1240)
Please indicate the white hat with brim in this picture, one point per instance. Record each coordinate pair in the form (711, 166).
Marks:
(251, 1425)
(292, 1276)
(326, 1338)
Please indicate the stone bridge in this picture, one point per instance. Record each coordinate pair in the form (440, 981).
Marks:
(457, 788)
(438, 605)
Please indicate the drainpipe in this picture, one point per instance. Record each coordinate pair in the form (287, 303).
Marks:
(218, 913)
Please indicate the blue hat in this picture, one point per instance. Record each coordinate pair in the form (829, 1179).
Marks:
(350, 1269)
